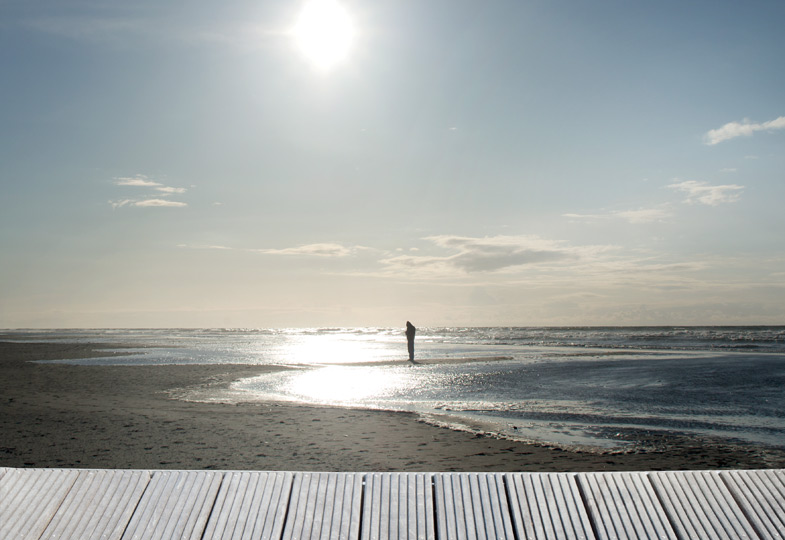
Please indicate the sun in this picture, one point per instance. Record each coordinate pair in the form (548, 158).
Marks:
(324, 32)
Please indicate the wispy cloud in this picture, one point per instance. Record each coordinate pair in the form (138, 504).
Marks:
(168, 189)
(745, 128)
(704, 193)
(325, 249)
(139, 180)
(645, 215)
(160, 202)
(485, 255)
(316, 250)
(641, 215)
(143, 181)
(148, 203)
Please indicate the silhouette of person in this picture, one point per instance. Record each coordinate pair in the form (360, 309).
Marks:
(410, 330)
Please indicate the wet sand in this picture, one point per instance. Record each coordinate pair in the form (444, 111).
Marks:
(54, 415)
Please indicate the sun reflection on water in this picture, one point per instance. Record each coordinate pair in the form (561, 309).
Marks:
(338, 384)
(339, 349)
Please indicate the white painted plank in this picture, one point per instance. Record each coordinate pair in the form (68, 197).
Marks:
(547, 505)
(29, 499)
(624, 505)
(415, 499)
(643, 506)
(343, 517)
(398, 505)
(86, 504)
(426, 512)
(445, 508)
(574, 520)
(448, 524)
(191, 516)
(395, 499)
(371, 520)
(98, 506)
(469, 509)
(297, 507)
(324, 505)
(176, 505)
(276, 500)
(228, 505)
(471, 506)
(701, 506)
(250, 505)
(528, 499)
(762, 496)
(329, 522)
(496, 514)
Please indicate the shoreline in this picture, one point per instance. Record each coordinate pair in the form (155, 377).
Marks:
(125, 417)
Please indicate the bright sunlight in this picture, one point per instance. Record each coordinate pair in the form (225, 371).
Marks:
(324, 32)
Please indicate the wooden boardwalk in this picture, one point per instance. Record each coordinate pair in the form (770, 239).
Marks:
(119, 504)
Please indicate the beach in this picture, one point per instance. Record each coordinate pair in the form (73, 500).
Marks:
(129, 417)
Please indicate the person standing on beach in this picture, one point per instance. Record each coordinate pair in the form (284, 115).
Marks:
(410, 330)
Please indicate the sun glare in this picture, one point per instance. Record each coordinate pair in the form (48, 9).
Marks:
(324, 32)
(344, 385)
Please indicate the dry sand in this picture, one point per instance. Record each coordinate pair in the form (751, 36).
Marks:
(54, 415)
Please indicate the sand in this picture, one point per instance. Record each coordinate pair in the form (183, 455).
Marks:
(54, 415)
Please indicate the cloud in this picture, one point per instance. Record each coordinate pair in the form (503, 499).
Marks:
(745, 128)
(139, 180)
(641, 215)
(167, 189)
(143, 181)
(326, 249)
(147, 202)
(121, 203)
(488, 254)
(499, 252)
(704, 193)
(644, 215)
(316, 250)
(160, 202)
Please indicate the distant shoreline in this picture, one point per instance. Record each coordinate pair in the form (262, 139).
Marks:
(54, 415)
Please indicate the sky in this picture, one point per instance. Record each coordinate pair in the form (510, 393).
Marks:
(176, 163)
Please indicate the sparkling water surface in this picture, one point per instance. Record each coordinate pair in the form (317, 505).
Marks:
(601, 387)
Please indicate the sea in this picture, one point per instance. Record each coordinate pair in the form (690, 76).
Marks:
(590, 387)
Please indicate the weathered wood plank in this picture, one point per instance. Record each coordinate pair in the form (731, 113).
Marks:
(701, 506)
(471, 506)
(29, 499)
(98, 506)
(176, 504)
(761, 494)
(398, 505)
(547, 505)
(624, 505)
(250, 505)
(324, 505)
(84, 504)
